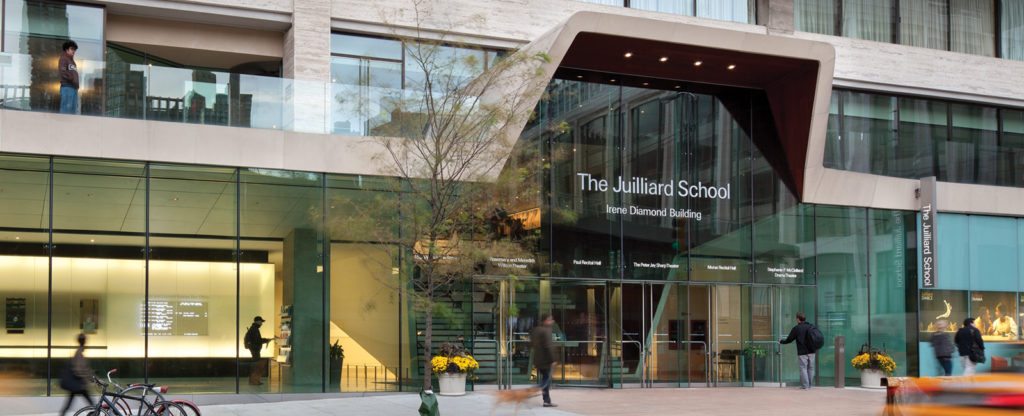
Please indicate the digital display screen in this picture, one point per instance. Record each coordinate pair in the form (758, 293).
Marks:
(176, 316)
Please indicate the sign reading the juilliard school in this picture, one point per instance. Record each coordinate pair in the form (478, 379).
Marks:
(644, 186)
(929, 272)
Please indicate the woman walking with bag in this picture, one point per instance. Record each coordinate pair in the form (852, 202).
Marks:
(75, 375)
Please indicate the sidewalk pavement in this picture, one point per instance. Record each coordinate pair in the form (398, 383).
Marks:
(584, 401)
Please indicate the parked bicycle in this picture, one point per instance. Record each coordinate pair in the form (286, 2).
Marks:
(150, 399)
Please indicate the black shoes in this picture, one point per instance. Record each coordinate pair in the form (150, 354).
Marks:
(550, 405)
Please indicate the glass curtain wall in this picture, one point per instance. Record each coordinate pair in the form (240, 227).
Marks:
(194, 277)
(914, 138)
(281, 212)
(980, 278)
(24, 262)
(99, 264)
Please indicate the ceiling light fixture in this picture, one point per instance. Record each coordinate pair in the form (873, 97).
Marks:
(731, 67)
(677, 86)
(17, 238)
(698, 63)
(92, 240)
(646, 84)
(628, 54)
(663, 59)
(579, 77)
(613, 79)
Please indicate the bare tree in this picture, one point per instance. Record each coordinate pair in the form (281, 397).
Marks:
(445, 141)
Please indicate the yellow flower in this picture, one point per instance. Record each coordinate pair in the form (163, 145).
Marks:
(439, 364)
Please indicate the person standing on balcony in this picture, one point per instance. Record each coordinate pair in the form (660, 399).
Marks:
(68, 78)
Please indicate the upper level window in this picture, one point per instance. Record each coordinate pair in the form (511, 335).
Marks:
(1011, 27)
(965, 26)
(731, 10)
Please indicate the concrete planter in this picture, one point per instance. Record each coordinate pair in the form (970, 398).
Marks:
(871, 379)
(452, 384)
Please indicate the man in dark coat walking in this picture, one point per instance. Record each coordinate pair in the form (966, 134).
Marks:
(966, 338)
(543, 347)
(805, 353)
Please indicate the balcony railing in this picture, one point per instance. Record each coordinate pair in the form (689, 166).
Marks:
(147, 92)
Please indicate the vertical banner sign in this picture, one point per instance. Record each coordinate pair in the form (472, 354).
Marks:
(928, 249)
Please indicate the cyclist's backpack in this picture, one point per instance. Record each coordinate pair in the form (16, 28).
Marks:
(815, 339)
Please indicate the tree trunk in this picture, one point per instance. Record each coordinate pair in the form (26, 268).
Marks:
(427, 348)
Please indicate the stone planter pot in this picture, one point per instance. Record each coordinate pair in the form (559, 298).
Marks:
(452, 384)
(871, 379)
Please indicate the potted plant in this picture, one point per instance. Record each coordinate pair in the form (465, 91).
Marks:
(755, 356)
(873, 363)
(452, 364)
(337, 356)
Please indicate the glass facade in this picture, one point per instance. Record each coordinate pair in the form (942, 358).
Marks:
(979, 266)
(915, 137)
(977, 27)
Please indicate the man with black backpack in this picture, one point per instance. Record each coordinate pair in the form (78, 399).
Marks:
(809, 340)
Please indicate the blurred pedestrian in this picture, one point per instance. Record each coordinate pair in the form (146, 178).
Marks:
(942, 344)
(970, 346)
(74, 378)
(542, 343)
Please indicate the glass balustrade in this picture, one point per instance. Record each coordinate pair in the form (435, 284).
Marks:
(198, 96)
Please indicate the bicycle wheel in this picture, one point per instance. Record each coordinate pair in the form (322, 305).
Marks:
(190, 408)
(137, 392)
(165, 408)
(92, 411)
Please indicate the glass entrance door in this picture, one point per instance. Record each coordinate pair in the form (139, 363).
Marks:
(580, 330)
(773, 311)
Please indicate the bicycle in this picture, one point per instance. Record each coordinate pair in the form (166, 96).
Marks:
(139, 392)
(106, 405)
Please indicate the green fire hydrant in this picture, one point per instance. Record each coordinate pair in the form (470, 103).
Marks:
(428, 404)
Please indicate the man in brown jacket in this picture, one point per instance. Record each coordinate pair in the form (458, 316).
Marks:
(68, 78)
(544, 355)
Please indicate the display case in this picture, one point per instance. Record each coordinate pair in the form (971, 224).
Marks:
(995, 315)
(284, 344)
(942, 305)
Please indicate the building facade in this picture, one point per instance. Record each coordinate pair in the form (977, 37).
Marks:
(695, 174)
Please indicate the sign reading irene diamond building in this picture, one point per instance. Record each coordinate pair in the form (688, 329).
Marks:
(644, 186)
(929, 272)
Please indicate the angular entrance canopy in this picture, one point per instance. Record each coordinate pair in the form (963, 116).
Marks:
(795, 74)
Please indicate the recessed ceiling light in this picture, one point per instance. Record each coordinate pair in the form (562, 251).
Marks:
(579, 77)
(628, 54)
(17, 238)
(677, 86)
(698, 63)
(646, 84)
(613, 79)
(663, 59)
(732, 67)
(92, 240)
